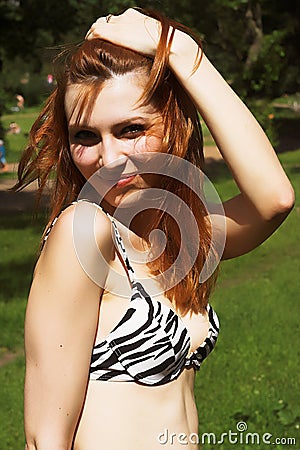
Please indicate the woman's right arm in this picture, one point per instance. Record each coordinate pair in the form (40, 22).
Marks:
(60, 326)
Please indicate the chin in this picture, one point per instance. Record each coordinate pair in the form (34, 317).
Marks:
(128, 199)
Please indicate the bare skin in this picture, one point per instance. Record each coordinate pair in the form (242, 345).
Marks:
(64, 316)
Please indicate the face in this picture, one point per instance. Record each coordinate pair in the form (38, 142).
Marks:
(117, 129)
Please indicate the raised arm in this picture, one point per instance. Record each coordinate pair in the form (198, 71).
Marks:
(266, 195)
(60, 327)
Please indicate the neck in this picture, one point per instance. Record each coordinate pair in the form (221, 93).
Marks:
(141, 223)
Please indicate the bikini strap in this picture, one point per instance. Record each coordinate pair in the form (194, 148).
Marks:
(117, 240)
(122, 251)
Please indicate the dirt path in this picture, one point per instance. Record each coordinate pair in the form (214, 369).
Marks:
(16, 201)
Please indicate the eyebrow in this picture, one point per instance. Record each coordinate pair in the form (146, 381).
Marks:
(118, 124)
(88, 126)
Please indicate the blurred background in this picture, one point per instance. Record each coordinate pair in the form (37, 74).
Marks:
(253, 374)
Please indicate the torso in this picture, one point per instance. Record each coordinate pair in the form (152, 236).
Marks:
(132, 416)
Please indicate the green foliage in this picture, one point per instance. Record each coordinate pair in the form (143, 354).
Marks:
(18, 78)
(3, 100)
(264, 112)
(262, 76)
(253, 42)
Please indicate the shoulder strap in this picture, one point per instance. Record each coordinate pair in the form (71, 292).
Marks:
(118, 241)
(122, 251)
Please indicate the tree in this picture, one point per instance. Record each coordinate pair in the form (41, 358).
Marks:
(27, 29)
(253, 42)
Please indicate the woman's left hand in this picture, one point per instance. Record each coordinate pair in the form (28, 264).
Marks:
(131, 29)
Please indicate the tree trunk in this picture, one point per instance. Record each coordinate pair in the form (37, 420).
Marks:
(254, 31)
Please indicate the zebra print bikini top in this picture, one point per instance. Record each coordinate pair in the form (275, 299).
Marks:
(150, 344)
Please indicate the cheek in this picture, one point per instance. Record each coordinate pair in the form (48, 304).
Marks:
(155, 143)
(148, 144)
(85, 159)
(83, 155)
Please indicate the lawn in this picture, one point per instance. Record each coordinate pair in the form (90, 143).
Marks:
(15, 143)
(253, 374)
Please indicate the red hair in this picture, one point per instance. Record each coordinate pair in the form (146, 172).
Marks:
(47, 156)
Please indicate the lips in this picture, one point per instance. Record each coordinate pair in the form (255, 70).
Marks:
(124, 181)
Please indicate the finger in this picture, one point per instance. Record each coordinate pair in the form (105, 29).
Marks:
(88, 34)
(131, 12)
(91, 34)
(90, 31)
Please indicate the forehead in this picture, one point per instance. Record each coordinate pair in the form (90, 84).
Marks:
(116, 100)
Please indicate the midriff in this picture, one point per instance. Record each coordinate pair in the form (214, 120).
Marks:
(130, 416)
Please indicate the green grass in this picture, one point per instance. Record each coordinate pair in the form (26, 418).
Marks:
(11, 405)
(7, 175)
(19, 236)
(252, 375)
(15, 143)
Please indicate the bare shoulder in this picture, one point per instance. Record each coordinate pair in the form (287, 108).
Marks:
(81, 234)
(81, 221)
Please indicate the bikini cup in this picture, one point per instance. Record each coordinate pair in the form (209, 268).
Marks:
(151, 342)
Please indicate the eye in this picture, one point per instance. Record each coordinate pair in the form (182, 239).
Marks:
(86, 137)
(133, 131)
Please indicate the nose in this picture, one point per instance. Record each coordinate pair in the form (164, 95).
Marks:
(113, 151)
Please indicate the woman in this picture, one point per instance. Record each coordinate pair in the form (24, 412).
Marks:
(108, 365)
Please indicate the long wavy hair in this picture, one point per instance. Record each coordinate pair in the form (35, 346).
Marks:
(47, 156)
